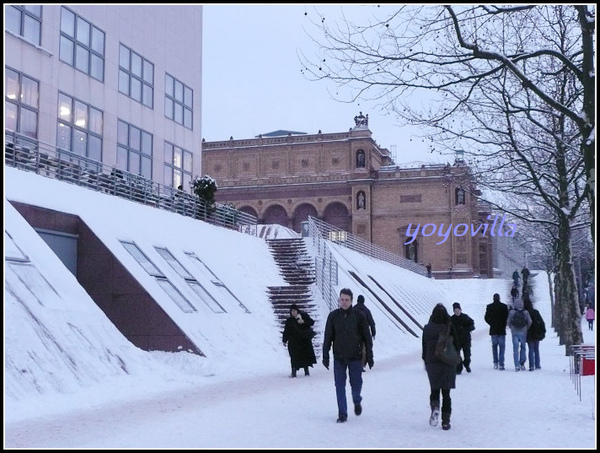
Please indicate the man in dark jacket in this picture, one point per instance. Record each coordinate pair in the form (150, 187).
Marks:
(464, 325)
(496, 315)
(347, 330)
(360, 305)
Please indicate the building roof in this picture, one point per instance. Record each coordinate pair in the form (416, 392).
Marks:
(280, 133)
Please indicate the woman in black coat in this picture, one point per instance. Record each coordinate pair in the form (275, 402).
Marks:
(298, 334)
(442, 377)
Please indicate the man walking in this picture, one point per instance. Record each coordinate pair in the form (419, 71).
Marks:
(347, 330)
(464, 325)
(360, 305)
(496, 315)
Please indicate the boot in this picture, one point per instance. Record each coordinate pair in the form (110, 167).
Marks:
(435, 413)
(306, 373)
(445, 421)
(293, 372)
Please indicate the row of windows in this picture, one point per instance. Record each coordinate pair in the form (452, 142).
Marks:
(82, 45)
(80, 127)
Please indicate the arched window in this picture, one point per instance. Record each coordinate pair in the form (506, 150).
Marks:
(410, 251)
(360, 159)
(460, 195)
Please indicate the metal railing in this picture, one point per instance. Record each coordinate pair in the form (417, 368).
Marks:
(32, 155)
(342, 237)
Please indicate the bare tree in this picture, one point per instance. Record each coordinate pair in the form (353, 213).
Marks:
(448, 55)
(514, 109)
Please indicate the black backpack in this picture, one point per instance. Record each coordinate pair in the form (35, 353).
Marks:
(519, 320)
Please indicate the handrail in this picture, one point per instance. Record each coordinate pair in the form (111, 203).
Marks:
(47, 160)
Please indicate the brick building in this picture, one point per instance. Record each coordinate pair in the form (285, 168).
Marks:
(347, 180)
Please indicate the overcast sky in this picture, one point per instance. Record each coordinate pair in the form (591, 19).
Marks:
(252, 80)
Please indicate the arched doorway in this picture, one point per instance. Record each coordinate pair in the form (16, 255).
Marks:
(301, 215)
(277, 215)
(337, 214)
(249, 210)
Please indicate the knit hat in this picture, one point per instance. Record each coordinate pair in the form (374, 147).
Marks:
(293, 307)
(496, 297)
(360, 299)
(456, 305)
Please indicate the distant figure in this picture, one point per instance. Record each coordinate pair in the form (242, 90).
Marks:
(514, 293)
(428, 270)
(464, 325)
(516, 277)
(442, 377)
(525, 274)
(496, 315)
(590, 315)
(360, 305)
(535, 334)
(519, 328)
(298, 334)
(347, 330)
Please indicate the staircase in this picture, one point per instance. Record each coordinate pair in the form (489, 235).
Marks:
(297, 269)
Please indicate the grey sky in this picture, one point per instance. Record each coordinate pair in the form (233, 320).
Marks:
(252, 81)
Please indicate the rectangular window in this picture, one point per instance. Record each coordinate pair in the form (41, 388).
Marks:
(134, 152)
(21, 103)
(25, 21)
(136, 76)
(178, 102)
(79, 127)
(178, 167)
(81, 44)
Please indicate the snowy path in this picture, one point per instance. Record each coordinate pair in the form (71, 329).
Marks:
(491, 409)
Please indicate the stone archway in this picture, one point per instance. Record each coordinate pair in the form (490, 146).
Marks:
(301, 215)
(337, 214)
(249, 210)
(276, 215)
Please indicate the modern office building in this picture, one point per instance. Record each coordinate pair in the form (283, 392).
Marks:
(347, 180)
(119, 84)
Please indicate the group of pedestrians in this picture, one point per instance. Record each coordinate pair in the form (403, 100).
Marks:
(527, 329)
(350, 331)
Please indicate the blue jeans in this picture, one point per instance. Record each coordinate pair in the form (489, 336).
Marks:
(519, 338)
(354, 368)
(498, 349)
(534, 354)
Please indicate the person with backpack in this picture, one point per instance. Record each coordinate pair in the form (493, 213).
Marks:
(519, 321)
(535, 334)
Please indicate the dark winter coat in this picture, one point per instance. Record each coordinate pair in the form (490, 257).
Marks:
(440, 374)
(537, 331)
(496, 315)
(347, 330)
(363, 308)
(464, 325)
(299, 346)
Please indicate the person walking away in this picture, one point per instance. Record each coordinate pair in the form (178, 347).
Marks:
(441, 376)
(428, 267)
(590, 315)
(360, 305)
(519, 322)
(535, 334)
(347, 330)
(464, 325)
(298, 335)
(514, 293)
(525, 274)
(496, 315)
(516, 277)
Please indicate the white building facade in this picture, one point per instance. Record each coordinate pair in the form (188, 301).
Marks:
(119, 84)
